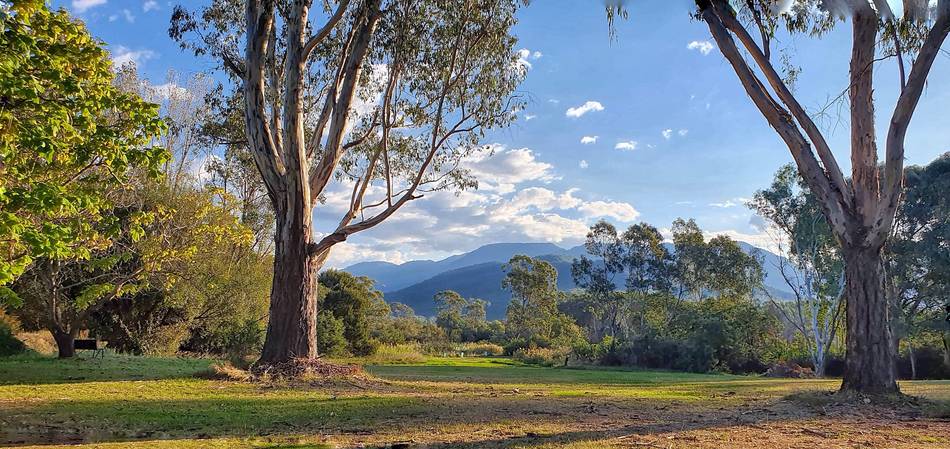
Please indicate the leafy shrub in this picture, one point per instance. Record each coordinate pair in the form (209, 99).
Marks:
(542, 356)
(483, 348)
(9, 344)
(330, 339)
(243, 340)
(397, 354)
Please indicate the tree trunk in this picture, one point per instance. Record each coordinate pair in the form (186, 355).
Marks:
(64, 343)
(913, 361)
(870, 360)
(291, 329)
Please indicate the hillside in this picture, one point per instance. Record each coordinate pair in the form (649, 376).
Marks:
(478, 274)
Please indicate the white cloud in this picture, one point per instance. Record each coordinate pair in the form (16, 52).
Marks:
(81, 6)
(525, 56)
(616, 210)
(583, 164)
(149, 5)
(683, 132)
(129, 17)
(667, 133)
(347, 253)
(704, 47)
(587, 140)
(554, 101)
(629, 145)
(124, 55)
(584, 108)
(734, 202)
(530, 117)
(500, 169)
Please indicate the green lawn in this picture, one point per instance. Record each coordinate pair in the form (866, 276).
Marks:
(127, 402)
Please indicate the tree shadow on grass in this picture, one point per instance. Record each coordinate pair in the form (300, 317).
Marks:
(370, 417)
(40, 370)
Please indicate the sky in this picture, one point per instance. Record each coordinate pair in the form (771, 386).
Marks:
(650, 126)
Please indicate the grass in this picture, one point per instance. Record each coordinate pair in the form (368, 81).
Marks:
(134, 402)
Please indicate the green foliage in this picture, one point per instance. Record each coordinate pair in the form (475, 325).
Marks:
(533, 318)
(462, 320)
(918, 254)
(331, 340)
(542, 356)
(9, 344)
(716, 266)
(354, 301)
(70, 137)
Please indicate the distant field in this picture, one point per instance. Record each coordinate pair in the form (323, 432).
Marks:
(132, 402)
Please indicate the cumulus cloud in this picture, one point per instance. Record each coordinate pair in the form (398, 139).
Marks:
(667, 133)
(589, 106)
(629, 145)
(514, 203)
(587, 140)
(530, 117)
(124, 55)
(704, 47)
(498, 168)
(619, 211)
(683, 132)
(81, 6)
(149, 5)
(583, 164)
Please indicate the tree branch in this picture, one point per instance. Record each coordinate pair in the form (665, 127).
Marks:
(900, 120)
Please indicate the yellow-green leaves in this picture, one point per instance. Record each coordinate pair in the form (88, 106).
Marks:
(68, 137)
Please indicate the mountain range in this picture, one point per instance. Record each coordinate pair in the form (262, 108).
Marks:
(478, 274)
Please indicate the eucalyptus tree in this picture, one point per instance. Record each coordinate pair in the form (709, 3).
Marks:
(385, 97)
(811, 265)
(918, 255)
(647, 262)
(860, 211)
(596, 275)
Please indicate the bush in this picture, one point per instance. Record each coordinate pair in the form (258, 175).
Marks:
(480, 348)
(402, 353)
(9, 343)
(542, 356)
(330, 338)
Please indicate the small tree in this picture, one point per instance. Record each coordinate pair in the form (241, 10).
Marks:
(814, 270)
(69, 138)
(356, 302)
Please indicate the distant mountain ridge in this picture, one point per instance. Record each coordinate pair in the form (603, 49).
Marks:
(478, 274)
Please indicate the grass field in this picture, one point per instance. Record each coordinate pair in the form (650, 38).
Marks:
(131, 402)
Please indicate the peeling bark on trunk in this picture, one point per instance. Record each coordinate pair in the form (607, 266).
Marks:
(870, 362)
(291, 329)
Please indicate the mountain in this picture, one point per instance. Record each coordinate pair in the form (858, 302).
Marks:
(478, 274)
(391, 277)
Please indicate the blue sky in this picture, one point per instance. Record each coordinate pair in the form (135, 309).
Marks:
(669, 131)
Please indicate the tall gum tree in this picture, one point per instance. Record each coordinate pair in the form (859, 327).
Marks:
(860, 210)
(385, 97)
